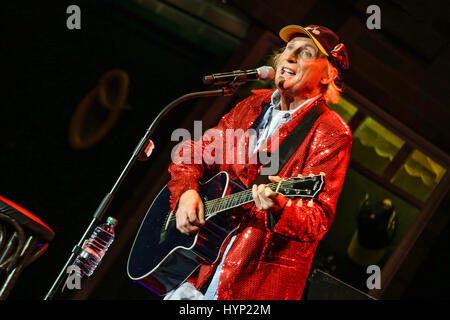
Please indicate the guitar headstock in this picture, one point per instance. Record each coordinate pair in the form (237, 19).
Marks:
(308, 186)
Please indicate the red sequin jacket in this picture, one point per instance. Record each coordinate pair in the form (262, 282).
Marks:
(265, 264)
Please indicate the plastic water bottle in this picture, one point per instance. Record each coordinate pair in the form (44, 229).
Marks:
(94, 249)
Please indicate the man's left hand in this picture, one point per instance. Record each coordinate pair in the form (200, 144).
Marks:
(263, 195)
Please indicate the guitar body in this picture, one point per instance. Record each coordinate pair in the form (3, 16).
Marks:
(162, 257)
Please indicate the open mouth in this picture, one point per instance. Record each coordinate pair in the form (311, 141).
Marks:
(287, 71)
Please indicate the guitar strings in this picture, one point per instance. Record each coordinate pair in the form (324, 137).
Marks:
(214, 206)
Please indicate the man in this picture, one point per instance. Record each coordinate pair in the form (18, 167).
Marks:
(263, 261)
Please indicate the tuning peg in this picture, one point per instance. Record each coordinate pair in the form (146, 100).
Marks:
(299, 175)
(300, 203)
(310, 203)
(311, 174)
(289, 203)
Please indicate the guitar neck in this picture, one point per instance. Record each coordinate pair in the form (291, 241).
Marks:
(234, 200)
(308, 187)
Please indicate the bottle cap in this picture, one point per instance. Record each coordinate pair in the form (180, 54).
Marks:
(112, 221)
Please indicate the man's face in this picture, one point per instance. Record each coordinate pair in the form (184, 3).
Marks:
(300, 67)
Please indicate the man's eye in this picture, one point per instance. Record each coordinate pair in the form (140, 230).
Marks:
(306, 54)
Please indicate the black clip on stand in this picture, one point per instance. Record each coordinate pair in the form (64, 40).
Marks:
(142, 153)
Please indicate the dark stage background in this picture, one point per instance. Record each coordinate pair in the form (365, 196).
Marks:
(47, 70)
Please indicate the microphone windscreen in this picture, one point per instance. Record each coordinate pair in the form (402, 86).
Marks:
(266, 73)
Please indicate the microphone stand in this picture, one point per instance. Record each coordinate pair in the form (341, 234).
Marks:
(141, 152)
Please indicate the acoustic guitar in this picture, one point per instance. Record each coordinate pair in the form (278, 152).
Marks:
(162, 257)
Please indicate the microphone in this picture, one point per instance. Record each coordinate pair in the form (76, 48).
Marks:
(264, 73)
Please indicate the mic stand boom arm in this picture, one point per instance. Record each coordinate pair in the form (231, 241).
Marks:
(140, 154)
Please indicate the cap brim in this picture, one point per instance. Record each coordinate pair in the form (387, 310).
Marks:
(287, 32)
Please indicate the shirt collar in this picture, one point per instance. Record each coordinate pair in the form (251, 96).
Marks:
(276, 98)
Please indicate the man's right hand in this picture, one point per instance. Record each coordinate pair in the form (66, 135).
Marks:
(190, 213)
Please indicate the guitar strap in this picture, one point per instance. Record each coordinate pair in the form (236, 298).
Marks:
(290, 145)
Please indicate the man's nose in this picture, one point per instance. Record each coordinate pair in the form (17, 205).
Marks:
(292, 58)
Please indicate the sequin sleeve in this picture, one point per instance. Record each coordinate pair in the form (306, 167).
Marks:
(193, 160)
(328, 153)
(189, 163)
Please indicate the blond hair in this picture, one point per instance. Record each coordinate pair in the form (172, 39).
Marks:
(332, 91)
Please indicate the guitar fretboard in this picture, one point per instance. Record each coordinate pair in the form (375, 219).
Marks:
(237, 199)
(288, 187)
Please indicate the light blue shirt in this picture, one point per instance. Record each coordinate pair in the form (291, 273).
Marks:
(274, 118)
